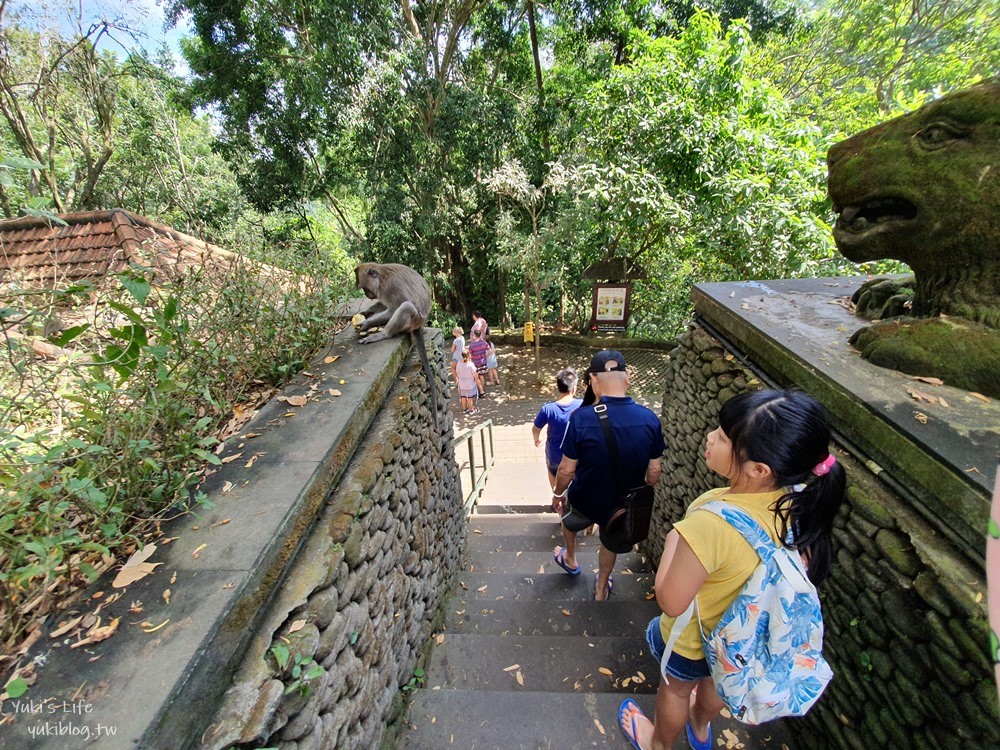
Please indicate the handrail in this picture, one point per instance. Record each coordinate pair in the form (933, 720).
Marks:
(488, 459)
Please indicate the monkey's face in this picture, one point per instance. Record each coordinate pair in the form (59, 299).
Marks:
(368, 279)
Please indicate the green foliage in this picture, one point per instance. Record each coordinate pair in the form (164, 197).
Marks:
(304, 669)
(415, 682)
(94, 444)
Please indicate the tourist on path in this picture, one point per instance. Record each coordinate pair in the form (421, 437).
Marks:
(585, 491)
(479, 325)
(457, 347)
(492, 366)
(553, 417)
(774, 448)
(469, 384)
(479, 350)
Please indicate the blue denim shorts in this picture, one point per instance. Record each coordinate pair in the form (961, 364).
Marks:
(678, 667)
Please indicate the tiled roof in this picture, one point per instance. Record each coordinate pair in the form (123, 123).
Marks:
(95, 244)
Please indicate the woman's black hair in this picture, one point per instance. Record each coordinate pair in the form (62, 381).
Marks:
(789, 431)
(566, 380)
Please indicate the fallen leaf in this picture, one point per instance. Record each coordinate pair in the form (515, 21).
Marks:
(640, 677)
(605, 670)
(166, 595)
(297, 625)
(512, 667)
(566, 612)
(920, 417)
(342, 381)
(482, 589)
(197, 553)
(65, 627)
(626, 682)
(439, 639)
(294, 400)
(596, 722)
(334, 392)
(930, 381)
(223, 522)
(519, 677)
(943, 403)
(980, 396)
(136, 607)
(97, 595)
(230, 459)
(98, 634)
(150, 628)
(331, 360)
(251, 435)
(227, 486)
(136, 567)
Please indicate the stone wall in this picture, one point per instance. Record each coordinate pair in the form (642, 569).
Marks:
(291, 612)
(904, 608)
(360, 604)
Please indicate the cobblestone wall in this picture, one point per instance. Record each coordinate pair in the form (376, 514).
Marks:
(346, 634)
(904, 609)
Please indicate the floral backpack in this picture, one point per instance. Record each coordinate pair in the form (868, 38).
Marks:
(765, 653)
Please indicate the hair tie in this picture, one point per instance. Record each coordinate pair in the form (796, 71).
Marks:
(824, 466)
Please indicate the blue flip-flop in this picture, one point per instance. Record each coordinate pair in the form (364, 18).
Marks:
(694, 742)
(628, 705)
(560, 558)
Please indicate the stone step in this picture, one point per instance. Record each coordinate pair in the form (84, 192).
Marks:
(522, 720)
(490, 557)
(529, 720)
(496, 509)
(617, 617)
(497, 587)
(513, 524)
(545, 663)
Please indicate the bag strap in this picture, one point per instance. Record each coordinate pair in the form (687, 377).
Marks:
(601, 410)
(745, 524)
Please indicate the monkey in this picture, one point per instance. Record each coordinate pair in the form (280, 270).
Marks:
(403, 302)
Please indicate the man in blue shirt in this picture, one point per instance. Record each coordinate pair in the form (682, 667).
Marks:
(586, 491)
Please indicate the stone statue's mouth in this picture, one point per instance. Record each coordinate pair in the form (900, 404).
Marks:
(858, 219)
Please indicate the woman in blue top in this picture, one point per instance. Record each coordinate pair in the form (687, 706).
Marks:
(555, 415)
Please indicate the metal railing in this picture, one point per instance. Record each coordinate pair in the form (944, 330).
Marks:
(479, 471)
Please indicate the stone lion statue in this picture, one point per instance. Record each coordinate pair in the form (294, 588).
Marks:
(924, 189)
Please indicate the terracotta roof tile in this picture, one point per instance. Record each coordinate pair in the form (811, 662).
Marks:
(94, 243)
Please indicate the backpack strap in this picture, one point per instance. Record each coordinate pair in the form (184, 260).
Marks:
(745, 524)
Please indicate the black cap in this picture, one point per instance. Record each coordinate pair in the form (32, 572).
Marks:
(607, 360)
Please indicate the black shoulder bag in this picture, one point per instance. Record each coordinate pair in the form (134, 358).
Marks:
(630, 523)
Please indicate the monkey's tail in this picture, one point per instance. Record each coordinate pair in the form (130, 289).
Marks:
(418, 341)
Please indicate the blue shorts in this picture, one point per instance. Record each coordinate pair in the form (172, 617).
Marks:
(678, 667)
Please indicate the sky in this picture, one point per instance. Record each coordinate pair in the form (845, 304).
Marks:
(145, 17)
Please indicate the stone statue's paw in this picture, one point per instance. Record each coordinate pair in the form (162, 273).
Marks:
(962, 353)
(881, 298)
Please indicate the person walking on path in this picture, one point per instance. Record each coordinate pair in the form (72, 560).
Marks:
(555, 416)
(585, 491)
(457, 347)
(478, 350)
(774, 448)
(492, 366)
(479, 324)
(469, 384)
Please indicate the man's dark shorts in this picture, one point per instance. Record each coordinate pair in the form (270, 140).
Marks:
(575, 521)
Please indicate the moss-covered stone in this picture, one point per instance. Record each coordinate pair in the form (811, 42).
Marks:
(871, 507)
(903, 611)
(926, 585)
(899, 552)
(963, 354)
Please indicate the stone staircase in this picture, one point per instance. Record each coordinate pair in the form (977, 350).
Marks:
(527, 659)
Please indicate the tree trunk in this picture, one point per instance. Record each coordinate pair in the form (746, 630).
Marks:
(533, 33)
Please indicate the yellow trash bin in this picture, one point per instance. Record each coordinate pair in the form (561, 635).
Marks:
(529, 332)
